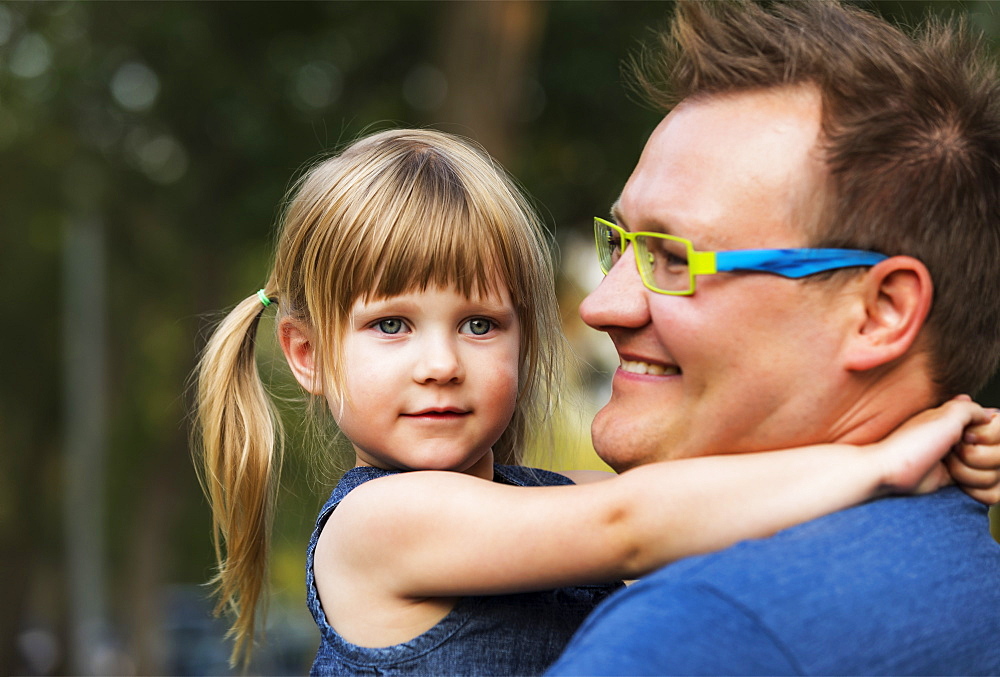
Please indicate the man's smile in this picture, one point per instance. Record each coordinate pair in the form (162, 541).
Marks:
(640, 367)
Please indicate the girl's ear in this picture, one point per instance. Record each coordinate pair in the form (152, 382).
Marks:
(299, 349)
(896, 298)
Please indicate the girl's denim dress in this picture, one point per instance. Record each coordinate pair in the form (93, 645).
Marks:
(488, 635)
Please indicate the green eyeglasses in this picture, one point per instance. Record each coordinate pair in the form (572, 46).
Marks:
(668, 264)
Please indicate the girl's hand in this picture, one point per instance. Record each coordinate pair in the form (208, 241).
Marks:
(974, 463)
(913, 453)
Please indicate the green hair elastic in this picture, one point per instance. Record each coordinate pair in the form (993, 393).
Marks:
(263, 298)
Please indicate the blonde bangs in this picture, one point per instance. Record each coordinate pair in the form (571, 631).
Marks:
(421, 250)
(426, 226)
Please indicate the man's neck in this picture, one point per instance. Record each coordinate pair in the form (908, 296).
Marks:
(878, 403)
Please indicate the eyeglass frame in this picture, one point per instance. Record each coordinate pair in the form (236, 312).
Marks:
(795, 263)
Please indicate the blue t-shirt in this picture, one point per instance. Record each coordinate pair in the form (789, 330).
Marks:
(483, 635)
(898, 586)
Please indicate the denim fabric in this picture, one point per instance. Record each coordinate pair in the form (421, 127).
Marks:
(898, 586)
(489, 635)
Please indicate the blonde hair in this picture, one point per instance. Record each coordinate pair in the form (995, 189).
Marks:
(395, 212)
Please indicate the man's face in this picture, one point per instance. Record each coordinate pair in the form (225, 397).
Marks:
(750, 361)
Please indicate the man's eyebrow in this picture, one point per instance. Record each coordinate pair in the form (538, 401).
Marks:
(616, 214)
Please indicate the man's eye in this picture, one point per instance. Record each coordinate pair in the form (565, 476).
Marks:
(477, 326)
(665, 253)
(393, 325)
(674, 259)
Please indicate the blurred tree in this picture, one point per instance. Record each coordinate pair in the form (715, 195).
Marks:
(486, 52)
(177, 128)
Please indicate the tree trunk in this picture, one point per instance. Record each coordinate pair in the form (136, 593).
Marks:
(488, 54)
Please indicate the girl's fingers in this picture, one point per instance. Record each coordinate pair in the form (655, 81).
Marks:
(965, 474)
(986, 432)
(981, 484)
(989, 496)
(979, 456)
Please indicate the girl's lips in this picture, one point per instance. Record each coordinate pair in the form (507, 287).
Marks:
(438, 413)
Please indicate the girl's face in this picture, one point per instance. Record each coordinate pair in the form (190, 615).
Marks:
(432, 380)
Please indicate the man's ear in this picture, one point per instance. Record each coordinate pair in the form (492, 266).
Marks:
(896, 297)
(299, 349)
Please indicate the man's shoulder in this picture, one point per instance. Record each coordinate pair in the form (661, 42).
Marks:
(893, 545)
(897, 585)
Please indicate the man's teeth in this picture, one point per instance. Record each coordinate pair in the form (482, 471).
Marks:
(647, 368)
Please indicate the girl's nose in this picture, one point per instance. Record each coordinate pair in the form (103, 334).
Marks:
(438, 361)
(620, 300)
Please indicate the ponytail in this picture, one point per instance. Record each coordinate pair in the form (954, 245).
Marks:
(240, 440)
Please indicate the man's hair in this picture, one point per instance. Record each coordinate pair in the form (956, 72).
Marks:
(910, 133)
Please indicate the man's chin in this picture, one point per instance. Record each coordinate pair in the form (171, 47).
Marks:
(615, 441)
(626, 438)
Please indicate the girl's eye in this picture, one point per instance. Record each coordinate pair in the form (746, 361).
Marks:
(392, 325)
(478, 326)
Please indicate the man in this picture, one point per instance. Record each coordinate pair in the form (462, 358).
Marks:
(808, 125)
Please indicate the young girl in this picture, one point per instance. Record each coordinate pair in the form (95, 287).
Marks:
(415, 294)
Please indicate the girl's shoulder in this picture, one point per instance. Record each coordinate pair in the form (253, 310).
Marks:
(349, 481)
(355, 477)
(352, 479)
(513, 475)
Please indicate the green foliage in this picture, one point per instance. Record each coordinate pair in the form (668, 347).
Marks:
(175, 130)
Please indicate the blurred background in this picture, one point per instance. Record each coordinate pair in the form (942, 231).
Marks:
(145, 149)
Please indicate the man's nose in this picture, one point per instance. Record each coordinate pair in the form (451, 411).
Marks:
(438, 361)
(620, 300)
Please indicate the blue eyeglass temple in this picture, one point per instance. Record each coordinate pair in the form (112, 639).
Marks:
(794, 263)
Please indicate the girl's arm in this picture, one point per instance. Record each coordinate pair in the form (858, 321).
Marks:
(437, 534)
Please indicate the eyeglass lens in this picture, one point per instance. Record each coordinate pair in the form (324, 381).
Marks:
(663, 263)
